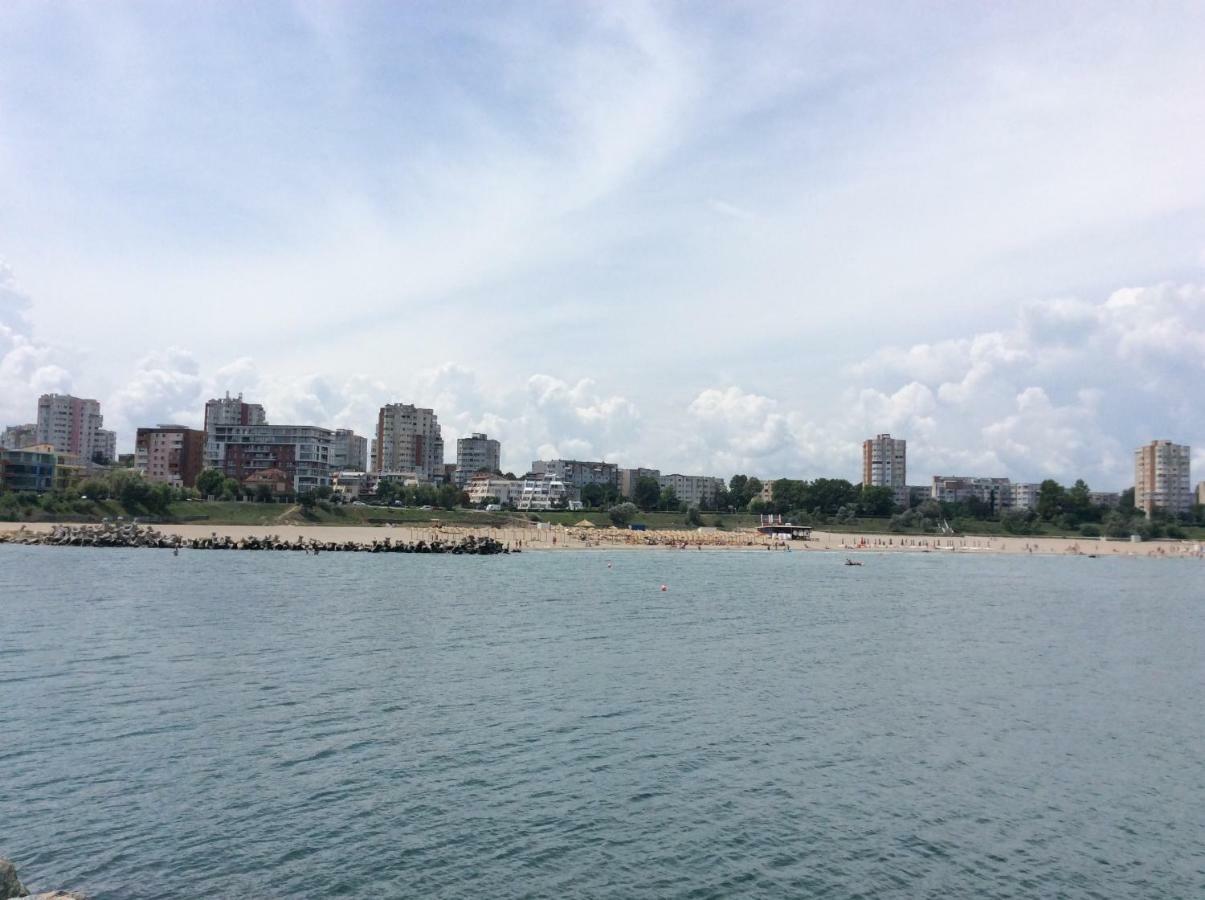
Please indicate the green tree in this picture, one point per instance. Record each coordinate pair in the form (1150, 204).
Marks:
(669, 499)
(263, 493)
(1052, 499)
(210, 483)
(693, 517)
(647, 493)
(830, 494)
(875, 500)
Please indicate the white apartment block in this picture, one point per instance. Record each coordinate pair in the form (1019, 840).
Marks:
(73, 425)
(577, 473)
(349, 451)
(628, 478)
(1111, 499)
(474, 453)
(409, 440)
(544, 493)
(694, 490)
(885, 464)
(1025, 495)
(18, 437)
(1161, 477)
(996, 492)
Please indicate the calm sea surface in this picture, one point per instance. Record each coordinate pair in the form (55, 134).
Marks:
(774, 725)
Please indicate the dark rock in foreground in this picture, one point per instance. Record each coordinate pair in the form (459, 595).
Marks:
(133, 535)
(11, 886)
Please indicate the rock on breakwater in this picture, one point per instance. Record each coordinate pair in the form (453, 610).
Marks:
(11, 886)
(130, 534)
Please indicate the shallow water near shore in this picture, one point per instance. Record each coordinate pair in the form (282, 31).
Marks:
(772, 725)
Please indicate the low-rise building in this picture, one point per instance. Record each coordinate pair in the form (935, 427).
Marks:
(354, 485)
(27, 470)
(18, 437)
(1025, 495)
(171, 454)
(276, 483)
(693, 490)
(544, 492)
(1201, 493)
(995, 492)
(766, 494)
(484, 485)
(1111, 499)
(300, 451)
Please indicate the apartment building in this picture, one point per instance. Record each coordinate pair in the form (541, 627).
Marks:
(543, 492)
(171, 454)
(577, 473)
(409, 440)
(628, 478)
(1161, 478)
(349, 451)
(1111, 499)
(302, 452)
(228, 411)
(1025, 495)
(484, 484)
(474, 453)
(995, 492)
(694, 490)
(885, 464)
(18, 437)
(74, 425)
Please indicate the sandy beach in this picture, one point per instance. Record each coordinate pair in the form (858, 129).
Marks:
(575, 538)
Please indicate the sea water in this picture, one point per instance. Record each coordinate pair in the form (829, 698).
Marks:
(554, 725)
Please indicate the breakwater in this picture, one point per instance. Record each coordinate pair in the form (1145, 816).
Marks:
(128, 535)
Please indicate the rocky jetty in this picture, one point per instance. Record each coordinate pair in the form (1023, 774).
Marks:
(130, 534)
(11, 886)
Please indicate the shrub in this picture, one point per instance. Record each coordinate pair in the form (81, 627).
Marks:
(1090, 530)
(622, 513)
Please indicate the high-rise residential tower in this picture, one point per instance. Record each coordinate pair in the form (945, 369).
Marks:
(884, 464)
(474, 453)
(73, 425)
(349, 451)
(1161, 478)
(227, 411)
(409, 440)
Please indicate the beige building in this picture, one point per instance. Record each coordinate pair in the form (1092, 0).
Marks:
(885, 464)
(1161, 477)
(628, 478)
(995, 492)
(693, 490)
(484, 485)
(1025, 495)
(409, 440)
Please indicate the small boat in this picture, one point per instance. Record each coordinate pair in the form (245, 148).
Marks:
(850, 562)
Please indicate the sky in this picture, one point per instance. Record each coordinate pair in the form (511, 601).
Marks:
(708, 238)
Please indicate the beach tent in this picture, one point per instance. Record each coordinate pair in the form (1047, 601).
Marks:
(585, 523)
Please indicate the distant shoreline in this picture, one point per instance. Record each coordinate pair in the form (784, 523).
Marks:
(559, 537)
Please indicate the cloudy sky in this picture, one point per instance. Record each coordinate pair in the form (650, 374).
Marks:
(705, 237)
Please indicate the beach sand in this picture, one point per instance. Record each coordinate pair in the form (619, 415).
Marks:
(573, 538)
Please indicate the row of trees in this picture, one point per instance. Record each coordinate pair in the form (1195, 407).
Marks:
(127, 488)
